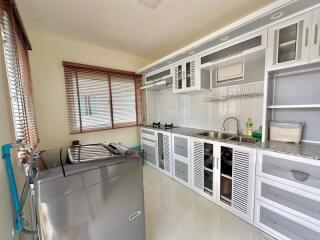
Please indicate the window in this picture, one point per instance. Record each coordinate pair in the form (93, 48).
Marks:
(100, 98)
(15, 47)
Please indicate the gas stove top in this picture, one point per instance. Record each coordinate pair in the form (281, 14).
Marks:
(165, 126)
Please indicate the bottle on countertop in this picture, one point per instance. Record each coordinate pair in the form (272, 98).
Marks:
(249, 126)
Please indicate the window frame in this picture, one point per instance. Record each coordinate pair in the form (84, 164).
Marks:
(109, 72)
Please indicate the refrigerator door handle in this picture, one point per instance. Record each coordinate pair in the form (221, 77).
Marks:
(134, 215)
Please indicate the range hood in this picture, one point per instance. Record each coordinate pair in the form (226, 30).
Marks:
(159, 85)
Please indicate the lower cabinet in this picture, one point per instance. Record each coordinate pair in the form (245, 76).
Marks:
(203, 167)
(236, 179)
(225, 174)
(157, 149)
(278, 193)
(284, 225)
(287, 196)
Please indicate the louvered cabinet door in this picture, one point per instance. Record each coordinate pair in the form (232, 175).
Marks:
(198, 165)
(243, 176)
(167, 153)
(190, 72)
(178, 77)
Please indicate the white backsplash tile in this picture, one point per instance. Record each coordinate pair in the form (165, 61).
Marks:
(190, 110)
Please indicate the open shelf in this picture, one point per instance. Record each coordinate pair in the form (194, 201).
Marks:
(294, 95)
(226, 176)
(225, 200)
(294, 106)
(285, 44)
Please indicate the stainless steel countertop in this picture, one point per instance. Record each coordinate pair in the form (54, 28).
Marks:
(306, 150)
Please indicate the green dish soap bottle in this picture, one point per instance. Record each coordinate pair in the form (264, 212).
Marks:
(249, 125)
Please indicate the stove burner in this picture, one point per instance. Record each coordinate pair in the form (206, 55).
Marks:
(168, 126)
(156, 125)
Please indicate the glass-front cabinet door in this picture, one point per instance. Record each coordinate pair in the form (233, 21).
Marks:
(289, 41)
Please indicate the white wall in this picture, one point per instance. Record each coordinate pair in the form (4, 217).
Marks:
(6, 136)
(49, 89)
(190, 110)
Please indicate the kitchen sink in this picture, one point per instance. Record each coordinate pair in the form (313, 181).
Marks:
(244, 139)
(217, 135)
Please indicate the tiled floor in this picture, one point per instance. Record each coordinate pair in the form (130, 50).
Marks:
(176, 212)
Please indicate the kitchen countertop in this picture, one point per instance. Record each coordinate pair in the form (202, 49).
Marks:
(307, 150)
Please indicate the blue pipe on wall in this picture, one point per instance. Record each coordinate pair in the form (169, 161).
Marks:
(6, 155)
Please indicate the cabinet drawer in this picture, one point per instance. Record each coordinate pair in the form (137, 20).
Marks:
(181, 170)
(181, 146)
(284, 225)
(149, 153)
(291, 170)
(149, 134)
(302, 204)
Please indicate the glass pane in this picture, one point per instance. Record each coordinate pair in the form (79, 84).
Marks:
(208, 179)
(123, 101)
(188, 74)
(160, 151)
(180, 76)
(287, 43)
(94, 101)
(208, 156)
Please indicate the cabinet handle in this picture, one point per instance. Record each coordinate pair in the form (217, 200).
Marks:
(307, 37)
(300, 175)
(315, 40)
(134, 215)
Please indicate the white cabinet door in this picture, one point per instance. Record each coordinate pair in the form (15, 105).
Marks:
(181, 158)
(315, 39)
(178, 79)
(197, 162)
(191, 81)
(186, 76)
(167, 153)
(149, 145)
(236, 179)
(289, 42)
(203, 170)
(243, 181)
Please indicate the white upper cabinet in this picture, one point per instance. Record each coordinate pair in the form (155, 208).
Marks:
(315, 40)
(184, 76)
(289, 42)
(187, 78)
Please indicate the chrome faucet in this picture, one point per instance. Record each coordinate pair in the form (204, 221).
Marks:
(228, 118)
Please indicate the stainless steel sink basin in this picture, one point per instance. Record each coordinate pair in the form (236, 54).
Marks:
(217, 135)
(244, 139)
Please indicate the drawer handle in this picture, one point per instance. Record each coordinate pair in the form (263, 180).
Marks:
(299, 175)
(134, 215)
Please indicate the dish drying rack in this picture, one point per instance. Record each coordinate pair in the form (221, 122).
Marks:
(236, 91)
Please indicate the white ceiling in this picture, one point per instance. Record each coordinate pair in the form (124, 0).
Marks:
(146, 28)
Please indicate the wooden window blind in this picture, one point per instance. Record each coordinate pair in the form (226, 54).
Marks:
(101, 98)
(15, 47)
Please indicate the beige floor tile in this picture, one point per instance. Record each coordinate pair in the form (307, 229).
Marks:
(174, 212)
